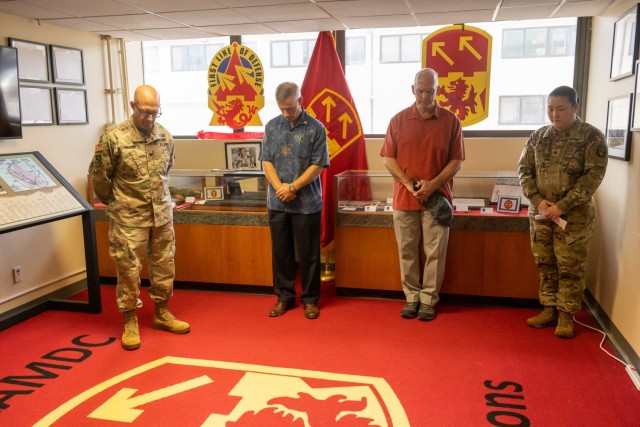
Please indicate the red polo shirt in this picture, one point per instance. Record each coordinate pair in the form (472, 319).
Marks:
(422, 147)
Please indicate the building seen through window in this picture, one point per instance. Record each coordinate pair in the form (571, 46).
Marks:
(528, 60)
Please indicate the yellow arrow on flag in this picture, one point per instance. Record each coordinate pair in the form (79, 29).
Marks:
(121, 407)
(437, 49)
(329, 103)
(464, 43)
(346, 121)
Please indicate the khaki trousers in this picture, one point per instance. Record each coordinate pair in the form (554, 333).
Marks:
(129, 248)
(411, 228)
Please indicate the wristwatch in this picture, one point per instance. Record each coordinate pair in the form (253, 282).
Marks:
(292, 188)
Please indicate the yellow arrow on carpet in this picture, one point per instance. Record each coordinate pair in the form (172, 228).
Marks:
(121, 406)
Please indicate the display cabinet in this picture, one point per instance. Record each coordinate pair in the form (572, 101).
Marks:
(221, 228)
(488, 252)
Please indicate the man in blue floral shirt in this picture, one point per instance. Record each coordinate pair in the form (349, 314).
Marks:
(294, 153)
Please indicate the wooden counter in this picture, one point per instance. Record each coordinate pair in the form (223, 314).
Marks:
(211, 247)
(488, 255)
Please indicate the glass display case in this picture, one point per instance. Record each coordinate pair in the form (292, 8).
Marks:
(218, 189)
(213, 189)
(372, 191)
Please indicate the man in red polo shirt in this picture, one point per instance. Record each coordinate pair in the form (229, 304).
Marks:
(423, 150)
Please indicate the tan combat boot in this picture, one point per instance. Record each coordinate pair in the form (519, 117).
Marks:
(131, 334)
(565, 325)
(547, 317)
(164, 320)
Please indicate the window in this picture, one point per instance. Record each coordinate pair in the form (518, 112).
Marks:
(355, 50)
(522, 110)
(193, 57)
(401, 48)
(539, 42)
(150, 59)
(380, 67)
(291, 53)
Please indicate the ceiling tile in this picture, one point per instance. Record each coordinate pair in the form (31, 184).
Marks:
(256, 3)
(293, 13)
(173, 5)
(531, 12)
(450, 18)
(381, 21)
(130, 36)
(425, 7)
(302, 26)
(207, 17)
(360, 8)
(19, 8)
(582, 8)
(177, 33)
(244, 29)
(137, 22)
(83, 8)
(81, 24)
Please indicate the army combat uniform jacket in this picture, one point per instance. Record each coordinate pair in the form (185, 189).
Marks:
(129, 172)
(564, 168)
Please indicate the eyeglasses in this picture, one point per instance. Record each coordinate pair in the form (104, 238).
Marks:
(146, 113)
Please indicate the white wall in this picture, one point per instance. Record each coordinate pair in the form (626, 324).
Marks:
(613, 268)
(52, 255)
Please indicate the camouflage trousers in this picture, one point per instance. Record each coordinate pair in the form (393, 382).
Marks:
(560, 255)
(129, 248)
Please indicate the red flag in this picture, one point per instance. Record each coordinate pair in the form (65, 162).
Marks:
(326, 96)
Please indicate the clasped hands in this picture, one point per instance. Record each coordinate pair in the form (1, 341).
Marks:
(284, 194)
(420, 190)
(549, 210)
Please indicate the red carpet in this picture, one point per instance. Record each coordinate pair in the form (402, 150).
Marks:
(359, 364)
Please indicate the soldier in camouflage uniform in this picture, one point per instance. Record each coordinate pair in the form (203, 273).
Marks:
(560, 168)
(129, 173)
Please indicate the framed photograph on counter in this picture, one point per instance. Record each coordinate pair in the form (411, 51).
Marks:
(508, 204)
(243, 155)
(213, 193)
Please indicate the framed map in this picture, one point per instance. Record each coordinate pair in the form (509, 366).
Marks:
(32, 192)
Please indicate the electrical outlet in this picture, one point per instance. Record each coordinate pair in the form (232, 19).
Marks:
(17, 274)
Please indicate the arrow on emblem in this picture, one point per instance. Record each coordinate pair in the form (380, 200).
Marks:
(437, 48)
(329, 103)
(121, 406)
(346, 121)
(464, 43)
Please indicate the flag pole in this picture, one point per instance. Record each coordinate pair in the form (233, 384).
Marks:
(328, 273)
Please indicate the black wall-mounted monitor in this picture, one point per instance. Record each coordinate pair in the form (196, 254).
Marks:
(10, 117)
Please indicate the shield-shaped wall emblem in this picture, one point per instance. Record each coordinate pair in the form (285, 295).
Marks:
(461, 55)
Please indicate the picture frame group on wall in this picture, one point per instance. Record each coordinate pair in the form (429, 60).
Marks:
(626, 37)
(47, 69)
(33, 60)
(618, 135)
(71, 106)
(67, 64)
(36, 105)
(243, 155)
